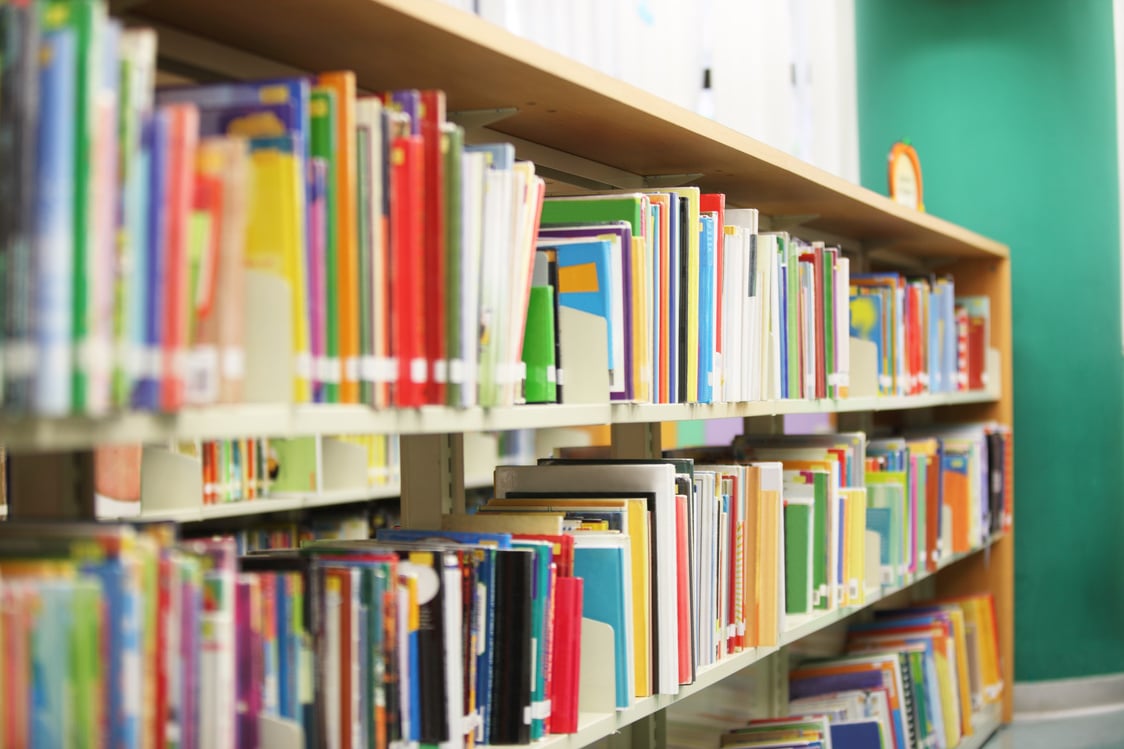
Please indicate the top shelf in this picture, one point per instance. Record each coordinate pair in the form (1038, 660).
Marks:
(560, 104)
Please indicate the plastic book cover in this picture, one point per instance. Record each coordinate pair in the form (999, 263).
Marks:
(540, 384)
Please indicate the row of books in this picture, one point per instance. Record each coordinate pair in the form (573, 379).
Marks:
(927, 340)
(909, 678)
(687, 561)
(234, 470)
(136, 222)
(402, 267)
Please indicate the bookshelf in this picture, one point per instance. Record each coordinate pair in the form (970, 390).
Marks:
(585, 131)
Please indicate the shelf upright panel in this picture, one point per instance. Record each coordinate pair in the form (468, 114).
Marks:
(432, 476)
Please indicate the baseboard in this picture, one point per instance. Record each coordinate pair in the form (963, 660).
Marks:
(1091, 693)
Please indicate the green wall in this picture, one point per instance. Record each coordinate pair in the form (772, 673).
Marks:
(1011, 106)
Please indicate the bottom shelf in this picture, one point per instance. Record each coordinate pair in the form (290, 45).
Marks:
(984, 725)
(595, 726)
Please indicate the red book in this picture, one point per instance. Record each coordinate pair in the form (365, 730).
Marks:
(977, 337)
(182, 140)
(961, 348)
(432, 117)
(566, 676)
(407, 269)
(932, 509)
(683, 567)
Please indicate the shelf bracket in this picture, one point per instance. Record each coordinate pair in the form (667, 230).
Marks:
(432, 467)
(787, 222)
(475, 119)
(51, 485)
(671, 180)
(640, 440)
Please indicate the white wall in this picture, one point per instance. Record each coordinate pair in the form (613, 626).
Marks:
(782, 71)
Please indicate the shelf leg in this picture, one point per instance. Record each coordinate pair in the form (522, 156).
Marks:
(650, 732)
(51, 486)
(637, 440)
(432, 478)
(771, 424)
(769, 698)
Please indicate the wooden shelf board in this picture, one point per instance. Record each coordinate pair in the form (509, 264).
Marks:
(592, 727)
(560, 103)
(219, 422)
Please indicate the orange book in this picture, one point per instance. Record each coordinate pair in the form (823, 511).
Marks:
(343, 83)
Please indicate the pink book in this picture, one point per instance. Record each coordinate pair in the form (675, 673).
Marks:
(317, 234)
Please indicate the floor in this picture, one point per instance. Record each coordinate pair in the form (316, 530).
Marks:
(1092, 730)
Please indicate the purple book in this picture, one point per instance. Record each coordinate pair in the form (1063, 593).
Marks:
(247, 651)
(317, 236)
(842, 682)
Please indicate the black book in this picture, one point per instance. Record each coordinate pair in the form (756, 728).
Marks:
(19, 115)
(510, 705)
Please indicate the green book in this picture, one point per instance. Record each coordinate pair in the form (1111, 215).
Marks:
(295, 459)
(452, 149)
(889, 495)
(322, 109)
(85, 661)
(85, 17)
(813, 486)
(797, 555)
(365, 232)
(540, 384)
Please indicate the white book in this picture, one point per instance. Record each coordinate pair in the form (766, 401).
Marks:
(495, 254)
(374, 367)
(473, 167)
(454, 664)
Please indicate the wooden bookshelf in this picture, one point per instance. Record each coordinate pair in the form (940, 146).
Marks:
(595, 131)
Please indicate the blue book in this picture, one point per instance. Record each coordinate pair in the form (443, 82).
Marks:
(783, 281)
(936, 372)
(866, 325)
(879, 519)
(708, 300)
(392, 535)
(603, 569)
(585, 282)
(282, 102)
(50, 663)
(859, 734)
(282, 605)
(500, 155)
(54, 219)
(146, 390)
(673, 249)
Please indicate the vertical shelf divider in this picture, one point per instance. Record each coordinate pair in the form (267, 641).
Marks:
(432, 468)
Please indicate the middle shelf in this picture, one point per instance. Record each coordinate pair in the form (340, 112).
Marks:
(277, 420)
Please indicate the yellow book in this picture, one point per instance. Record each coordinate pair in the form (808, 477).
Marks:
(275, 243)
(854, 550)
(769, 576)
